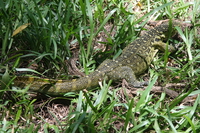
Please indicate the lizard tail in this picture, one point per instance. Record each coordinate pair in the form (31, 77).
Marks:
(55, 87)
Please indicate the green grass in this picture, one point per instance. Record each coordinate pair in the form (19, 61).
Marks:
(56, 27)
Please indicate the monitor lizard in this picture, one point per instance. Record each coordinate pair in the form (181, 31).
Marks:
(134, 61)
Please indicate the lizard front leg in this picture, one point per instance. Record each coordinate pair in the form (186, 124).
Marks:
(126, 73)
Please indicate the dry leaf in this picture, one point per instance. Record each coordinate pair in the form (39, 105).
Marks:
(20, 28)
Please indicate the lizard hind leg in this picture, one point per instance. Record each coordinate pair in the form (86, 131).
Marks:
(126, 73)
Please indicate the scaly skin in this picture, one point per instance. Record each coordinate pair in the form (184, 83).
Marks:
(133, 62)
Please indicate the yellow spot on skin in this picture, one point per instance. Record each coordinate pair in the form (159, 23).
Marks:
(107, 65)
(59, 81)
(31, 79)
(125, 56)
(96, 71)
(73, 80)
(74, 86)
(128, 61)
(89, 82)
(57, 89)
(163, 36)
